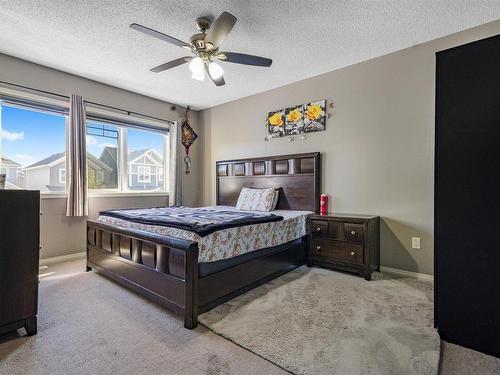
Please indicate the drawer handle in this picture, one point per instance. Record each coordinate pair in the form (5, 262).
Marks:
(318, 248)
(353, 253)
(353, 232)
(318, 229)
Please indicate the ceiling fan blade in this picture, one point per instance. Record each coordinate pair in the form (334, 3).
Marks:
(171, 64)
(242, 58)
(220, 29)
(218, 81)
(157, 34)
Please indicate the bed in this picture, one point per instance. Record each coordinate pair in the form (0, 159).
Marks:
(189, 274)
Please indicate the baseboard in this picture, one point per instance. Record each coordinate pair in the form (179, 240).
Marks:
(62, 258)
(414, 275)
(389, 270)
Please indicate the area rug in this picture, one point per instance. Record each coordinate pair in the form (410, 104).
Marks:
(316, 321)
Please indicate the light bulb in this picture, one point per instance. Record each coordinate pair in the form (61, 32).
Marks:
(199, 76)
(196, 65)
(215, 70)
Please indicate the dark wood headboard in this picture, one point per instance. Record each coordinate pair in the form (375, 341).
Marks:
(297, 177)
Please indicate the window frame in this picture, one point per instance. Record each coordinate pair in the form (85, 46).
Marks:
(32, 100)
(122, 162)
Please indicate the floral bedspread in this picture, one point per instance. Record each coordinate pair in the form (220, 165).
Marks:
(231, 242)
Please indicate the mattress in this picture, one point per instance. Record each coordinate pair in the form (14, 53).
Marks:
(208, 268)
(200, 220)
(230, 242)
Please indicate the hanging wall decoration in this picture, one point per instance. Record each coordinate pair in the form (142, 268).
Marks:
(294, 121)
(315, 116)
(299, 119)
(188, 136)
(276, 123)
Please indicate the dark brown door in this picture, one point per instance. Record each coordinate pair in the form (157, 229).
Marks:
(467, 195)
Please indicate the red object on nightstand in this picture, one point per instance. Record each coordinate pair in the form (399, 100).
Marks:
(323, 204)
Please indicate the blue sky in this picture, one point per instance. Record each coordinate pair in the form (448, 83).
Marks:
(29, 136)
(140, 140)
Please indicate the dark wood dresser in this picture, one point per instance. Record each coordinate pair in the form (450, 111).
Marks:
(19, 256)
(345, 242)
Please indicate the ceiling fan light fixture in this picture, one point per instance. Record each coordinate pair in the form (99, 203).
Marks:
(205, 45)
(215, 70)
(199, 76)
(197, 67)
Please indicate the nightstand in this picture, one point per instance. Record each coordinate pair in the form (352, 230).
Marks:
(345, 242)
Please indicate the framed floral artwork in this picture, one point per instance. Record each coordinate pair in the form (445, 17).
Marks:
(294, 120)
(315, 116)
(299, 119)
(276, 123)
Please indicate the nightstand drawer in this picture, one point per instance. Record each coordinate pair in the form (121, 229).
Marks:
(353, 232)
(348, 252)
(336, 230)
(319, 228)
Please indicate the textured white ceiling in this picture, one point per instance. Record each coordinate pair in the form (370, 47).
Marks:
(92, 38)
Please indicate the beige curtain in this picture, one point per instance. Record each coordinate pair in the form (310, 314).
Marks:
(174, 169)
(76, 160)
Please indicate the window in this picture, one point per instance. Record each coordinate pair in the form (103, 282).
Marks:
(143, 174)
(33, 148)
(102, 155)
(121, 158)
(62, 176)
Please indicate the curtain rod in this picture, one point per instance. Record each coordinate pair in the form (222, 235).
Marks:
(173, 107)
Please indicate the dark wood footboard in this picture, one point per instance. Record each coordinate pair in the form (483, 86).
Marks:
(165, 269)
(161, 268)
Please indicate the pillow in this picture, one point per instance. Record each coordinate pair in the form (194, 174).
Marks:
(275, 200)
(256, 199)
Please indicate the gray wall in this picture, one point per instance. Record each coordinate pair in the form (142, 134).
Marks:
(378, 149)
(61, 235)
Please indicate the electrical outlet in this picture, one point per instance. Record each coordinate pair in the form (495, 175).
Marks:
(415, 242)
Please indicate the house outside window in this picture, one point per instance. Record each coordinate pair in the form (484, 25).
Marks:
(62, 176)
(99, 177)
(143, 174)
(146, 160)
(125, 159)
(103, 141)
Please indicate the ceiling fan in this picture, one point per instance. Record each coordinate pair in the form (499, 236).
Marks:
(205, 48)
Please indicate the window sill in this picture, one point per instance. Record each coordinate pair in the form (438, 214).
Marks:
(107, 195)
(53, 196)
(94, 194)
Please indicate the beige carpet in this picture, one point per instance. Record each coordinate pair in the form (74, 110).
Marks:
(457, 360)
(90, 325)
(315, 321)
(67, 321)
